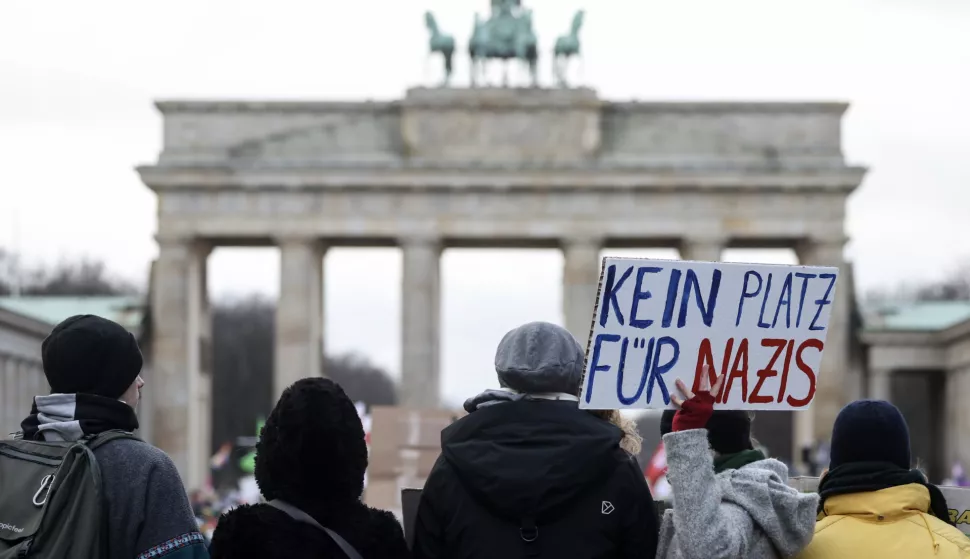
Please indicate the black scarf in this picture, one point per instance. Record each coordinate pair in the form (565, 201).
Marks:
(71, 417)
(862, 477)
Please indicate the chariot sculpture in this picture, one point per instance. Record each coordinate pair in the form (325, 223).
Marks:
(440, 43)
(506, 36)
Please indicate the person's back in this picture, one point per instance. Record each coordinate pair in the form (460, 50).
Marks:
(93, 366)
(891, 523)
(872, 503)
(527, 473)
(147, 506)
(729, 500)
(311, 455)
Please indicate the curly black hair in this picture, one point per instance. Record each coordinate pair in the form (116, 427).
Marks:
(312, 447)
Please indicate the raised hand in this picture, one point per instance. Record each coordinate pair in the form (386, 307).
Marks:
(704, 387)
(694, 410)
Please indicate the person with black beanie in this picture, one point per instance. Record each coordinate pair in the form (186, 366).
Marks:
(729, 500)
(93, 366)
(872, 503)
(310, 463)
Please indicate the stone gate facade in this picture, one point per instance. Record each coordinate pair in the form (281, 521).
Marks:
(474, 168)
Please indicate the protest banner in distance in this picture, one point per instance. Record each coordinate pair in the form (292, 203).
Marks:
(657, 321)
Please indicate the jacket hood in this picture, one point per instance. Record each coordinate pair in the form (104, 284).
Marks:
(529, 457)
(785, 516)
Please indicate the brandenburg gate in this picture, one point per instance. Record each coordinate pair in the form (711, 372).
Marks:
(486, 167)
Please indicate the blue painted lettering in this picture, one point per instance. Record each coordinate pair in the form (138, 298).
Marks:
(610, 292)
(823, 301)
(784, 299)
(672, 286)
(640, 294)
(801, 298)
(707, 309)
(745, 294)
(657, 370)
(594, 365)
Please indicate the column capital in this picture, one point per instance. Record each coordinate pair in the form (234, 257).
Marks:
(705, 238)
(595, 242)
(183, 244)
(172, 239)
(703, 246)
(821, 250)
(298, 239)
(432, 240)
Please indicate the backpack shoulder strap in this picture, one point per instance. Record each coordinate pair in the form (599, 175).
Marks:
(299, 515)
(101, 439)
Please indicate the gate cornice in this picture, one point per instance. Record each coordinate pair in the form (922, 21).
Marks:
(166, 178)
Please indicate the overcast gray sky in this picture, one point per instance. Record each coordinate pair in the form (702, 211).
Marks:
(77, 80)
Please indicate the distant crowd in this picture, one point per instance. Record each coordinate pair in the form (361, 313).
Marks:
(526, 473)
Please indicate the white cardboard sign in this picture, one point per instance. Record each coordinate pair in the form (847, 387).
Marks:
(657, 321)
(958, 501)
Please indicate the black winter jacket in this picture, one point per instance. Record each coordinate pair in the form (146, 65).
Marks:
(261, 531)
(534, 479)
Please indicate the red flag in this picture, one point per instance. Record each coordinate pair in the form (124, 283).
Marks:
(657, 466)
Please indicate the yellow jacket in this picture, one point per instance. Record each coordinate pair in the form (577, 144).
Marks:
(888, 524)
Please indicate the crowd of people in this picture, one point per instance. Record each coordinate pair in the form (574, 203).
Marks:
(525, 474)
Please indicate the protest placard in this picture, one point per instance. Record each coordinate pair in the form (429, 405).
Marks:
(657, 321)
(958, 501)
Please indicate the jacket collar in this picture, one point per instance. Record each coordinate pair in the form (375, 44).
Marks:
(885, 504)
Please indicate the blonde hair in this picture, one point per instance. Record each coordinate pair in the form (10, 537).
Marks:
(631, 441)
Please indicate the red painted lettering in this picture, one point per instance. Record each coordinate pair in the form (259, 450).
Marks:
(768, 372)
(784, 371)
(800, 363)
(741, 358)
(705, 356)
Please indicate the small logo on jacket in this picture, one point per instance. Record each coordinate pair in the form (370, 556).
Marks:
(606, 507)
(10, 527)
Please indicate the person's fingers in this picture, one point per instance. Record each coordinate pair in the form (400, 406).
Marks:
(705, 384)
(683, 390)
(676, 401)
(716, 389)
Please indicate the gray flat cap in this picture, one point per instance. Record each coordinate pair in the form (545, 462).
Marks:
(540, 357)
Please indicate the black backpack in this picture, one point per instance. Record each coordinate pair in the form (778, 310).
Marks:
(52, 504)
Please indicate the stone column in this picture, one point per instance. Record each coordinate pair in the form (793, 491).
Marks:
(580, 283)
(8, 396)
(702, 248)
(832, 388)
(880, 384)
(299, 313)
(956, 417)
(177, 380)
(420, 322)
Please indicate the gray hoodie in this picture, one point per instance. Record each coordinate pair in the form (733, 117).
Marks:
(748, 513)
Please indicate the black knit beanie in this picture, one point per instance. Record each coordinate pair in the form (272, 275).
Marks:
(728, 431)
(90, 355)
(870, 431)
(311, 451)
